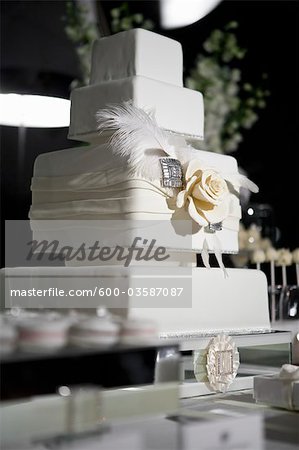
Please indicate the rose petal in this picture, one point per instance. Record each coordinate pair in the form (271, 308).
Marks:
(194, 166)
(212, 194)
(191, 183)
(196, 215)
(181, 198)
(213, 213)
(201, 194)
(217, 184)
(206, 174)
(214, 190)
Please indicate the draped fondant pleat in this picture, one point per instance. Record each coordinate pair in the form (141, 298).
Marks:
(102, 206)
(112, 179)
(108, 194)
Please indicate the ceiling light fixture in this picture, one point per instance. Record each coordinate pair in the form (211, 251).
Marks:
(179, 13)
(34, 111)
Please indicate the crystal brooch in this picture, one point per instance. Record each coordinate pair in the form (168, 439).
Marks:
(172, 172)
(213, 227)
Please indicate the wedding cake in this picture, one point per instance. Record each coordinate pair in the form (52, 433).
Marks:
(139, 123)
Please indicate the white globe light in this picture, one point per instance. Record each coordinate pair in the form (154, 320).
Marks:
(180, 13)
(35, 111)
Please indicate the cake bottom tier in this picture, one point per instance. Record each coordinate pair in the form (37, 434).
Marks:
(183, 301)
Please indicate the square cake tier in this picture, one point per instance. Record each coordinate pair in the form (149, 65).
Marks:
(176, 109)
(91, 183)
(137, 52)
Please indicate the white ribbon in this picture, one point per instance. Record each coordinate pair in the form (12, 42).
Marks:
(217, 251)
(218, 254)
(205, 254)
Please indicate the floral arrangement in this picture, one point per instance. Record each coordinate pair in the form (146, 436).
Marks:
(123, 20)
(256, 249)
(231, 104)
(259, 251)
(82, 32)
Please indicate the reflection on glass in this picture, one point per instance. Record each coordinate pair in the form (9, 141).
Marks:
(275, 296)
(290, 302)
(284, 302)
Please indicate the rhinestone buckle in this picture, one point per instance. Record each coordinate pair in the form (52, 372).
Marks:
(172, 172)
(213, 227)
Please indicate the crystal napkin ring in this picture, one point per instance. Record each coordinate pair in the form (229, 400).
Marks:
(172, 172)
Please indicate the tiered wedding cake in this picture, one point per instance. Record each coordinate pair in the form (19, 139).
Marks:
(139, 122)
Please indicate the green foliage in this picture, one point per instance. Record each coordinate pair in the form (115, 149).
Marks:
(82, 32)
(122, 19)
(231, 105)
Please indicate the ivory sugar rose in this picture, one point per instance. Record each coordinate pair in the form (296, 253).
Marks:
(205, 194)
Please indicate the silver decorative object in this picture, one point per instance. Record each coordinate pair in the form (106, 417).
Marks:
(211, 333)
(222, 362)
(213, 227)
(172, 172)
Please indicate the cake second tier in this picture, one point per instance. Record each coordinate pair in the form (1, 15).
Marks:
(176, 109)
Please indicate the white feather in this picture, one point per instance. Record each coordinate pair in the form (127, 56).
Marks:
(136, 137)
(186, 153)
(241, 181)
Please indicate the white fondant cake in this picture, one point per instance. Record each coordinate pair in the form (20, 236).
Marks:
(237, 304)
(138, 49)
(140, 168)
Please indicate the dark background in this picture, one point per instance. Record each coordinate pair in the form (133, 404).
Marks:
(36, 56)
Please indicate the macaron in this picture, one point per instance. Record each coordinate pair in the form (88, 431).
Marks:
(94, 332)
(138, 331)
(8, 336)
(42, 333)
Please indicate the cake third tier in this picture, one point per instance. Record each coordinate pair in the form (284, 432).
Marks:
(88, 183)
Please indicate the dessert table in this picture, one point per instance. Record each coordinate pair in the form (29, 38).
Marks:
(280, 427)
(54, 412)
(259, 426)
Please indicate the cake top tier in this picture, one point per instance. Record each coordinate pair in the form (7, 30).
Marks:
(137, 52)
